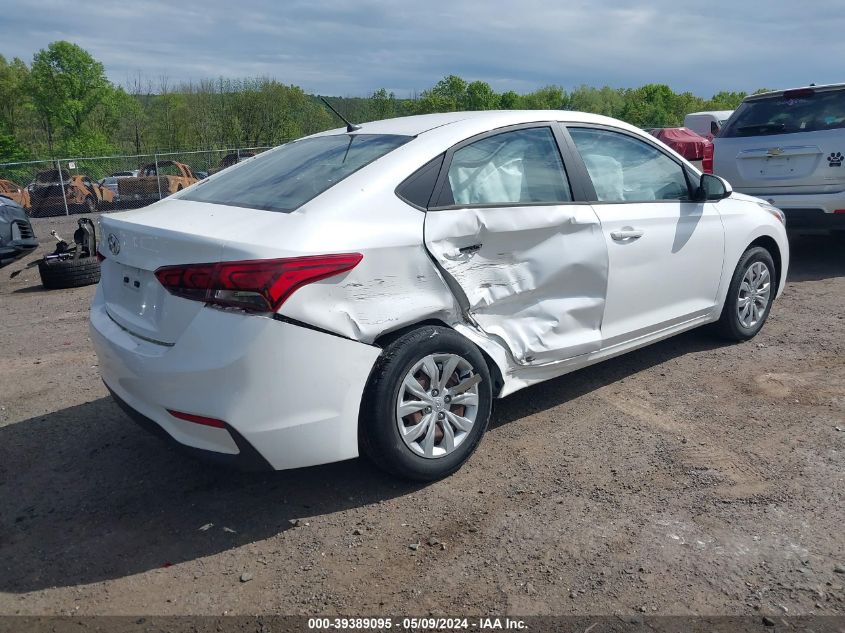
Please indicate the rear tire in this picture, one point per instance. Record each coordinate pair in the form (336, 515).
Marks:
(69, 273)
(754, 284)
(445, 439)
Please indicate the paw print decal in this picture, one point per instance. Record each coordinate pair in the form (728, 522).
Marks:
(835, 159)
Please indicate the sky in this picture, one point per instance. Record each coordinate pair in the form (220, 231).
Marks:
(346, 48)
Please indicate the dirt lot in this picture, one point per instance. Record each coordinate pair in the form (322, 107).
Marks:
(689, 477)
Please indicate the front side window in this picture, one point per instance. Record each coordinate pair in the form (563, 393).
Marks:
(286, 178)
(625, 169)
(517, 167)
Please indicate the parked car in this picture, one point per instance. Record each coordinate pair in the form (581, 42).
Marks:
(707, 124)
(154, 182)
(80, 193)
(15, 192)
(230, 159)
(683, 140)
(373, 291)
(788, 147)
(110, 182)
(17, 239)
(201, 175)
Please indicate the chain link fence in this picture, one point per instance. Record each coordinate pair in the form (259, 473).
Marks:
(108, 183)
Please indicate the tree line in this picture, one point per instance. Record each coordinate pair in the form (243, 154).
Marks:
(63, 105)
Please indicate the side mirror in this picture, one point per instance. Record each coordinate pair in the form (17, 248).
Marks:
(713, 188)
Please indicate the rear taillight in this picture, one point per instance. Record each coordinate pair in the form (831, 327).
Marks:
(261, 285)
(100, 257)
(707, 160)
(839, 212)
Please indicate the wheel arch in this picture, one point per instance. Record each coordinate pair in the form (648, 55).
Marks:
(383, 340)
(769, 243)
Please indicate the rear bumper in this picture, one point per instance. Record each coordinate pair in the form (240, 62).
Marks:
(289, 396)
(813, 219)
(247, 458)
(805, 210)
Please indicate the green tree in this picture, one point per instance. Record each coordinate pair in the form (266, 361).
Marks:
(14, 96)
(546, 98)
(510, 100)
(651, 105)
(480, 96)
(67, 84)
(63, 104)
(383, 105)
(448, 95)
(11, 150)
(725, 100)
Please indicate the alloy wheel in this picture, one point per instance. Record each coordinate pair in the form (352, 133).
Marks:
(437, 404)
(754, 294)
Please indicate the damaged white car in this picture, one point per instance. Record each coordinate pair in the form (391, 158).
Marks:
(373, 289)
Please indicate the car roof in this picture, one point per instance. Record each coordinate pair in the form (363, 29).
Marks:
(434, 134)
(778, 93)
(471, 122)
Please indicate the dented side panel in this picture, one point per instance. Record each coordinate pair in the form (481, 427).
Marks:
(395, 285)
(534, 277)
(390, 289)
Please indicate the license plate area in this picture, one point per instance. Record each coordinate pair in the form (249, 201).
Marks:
(131, 279)
(777, 166)
(135, 290)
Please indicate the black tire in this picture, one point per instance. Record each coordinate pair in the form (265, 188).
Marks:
(379, 436)
(729, 325)
(69, 273)
(90, 205)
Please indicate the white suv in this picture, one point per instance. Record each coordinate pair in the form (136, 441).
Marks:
(788, 147)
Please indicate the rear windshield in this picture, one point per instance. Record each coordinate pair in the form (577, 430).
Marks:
(286, 178)
(810, 112)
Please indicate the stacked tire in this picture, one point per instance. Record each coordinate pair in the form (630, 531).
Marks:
(69, 273)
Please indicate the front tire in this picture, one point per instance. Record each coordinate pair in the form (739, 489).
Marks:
(427, 404)
(750, 296)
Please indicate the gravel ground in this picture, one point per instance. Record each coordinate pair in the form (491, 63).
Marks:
(688, 477)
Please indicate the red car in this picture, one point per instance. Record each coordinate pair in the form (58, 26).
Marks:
(683, 140)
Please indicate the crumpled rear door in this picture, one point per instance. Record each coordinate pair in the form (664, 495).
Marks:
(532, 277)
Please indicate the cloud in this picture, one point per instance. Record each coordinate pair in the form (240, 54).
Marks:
(354, 48)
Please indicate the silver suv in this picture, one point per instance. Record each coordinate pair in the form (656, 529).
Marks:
(788, 147)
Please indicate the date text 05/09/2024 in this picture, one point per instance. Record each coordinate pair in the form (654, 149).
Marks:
(418, 624)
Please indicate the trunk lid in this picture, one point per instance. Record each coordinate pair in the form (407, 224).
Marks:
(177, 232)
(810, 162)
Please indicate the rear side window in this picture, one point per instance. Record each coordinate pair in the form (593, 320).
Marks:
(286, 178)
(419, 186)
(799, 111)
(518, 167)
(625, 169)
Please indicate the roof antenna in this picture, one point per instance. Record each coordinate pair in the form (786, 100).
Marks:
(350, 127)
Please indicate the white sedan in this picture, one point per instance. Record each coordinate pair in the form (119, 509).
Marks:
(373, 290)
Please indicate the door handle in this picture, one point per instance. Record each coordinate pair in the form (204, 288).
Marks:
(626, 234)
(469, 249)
